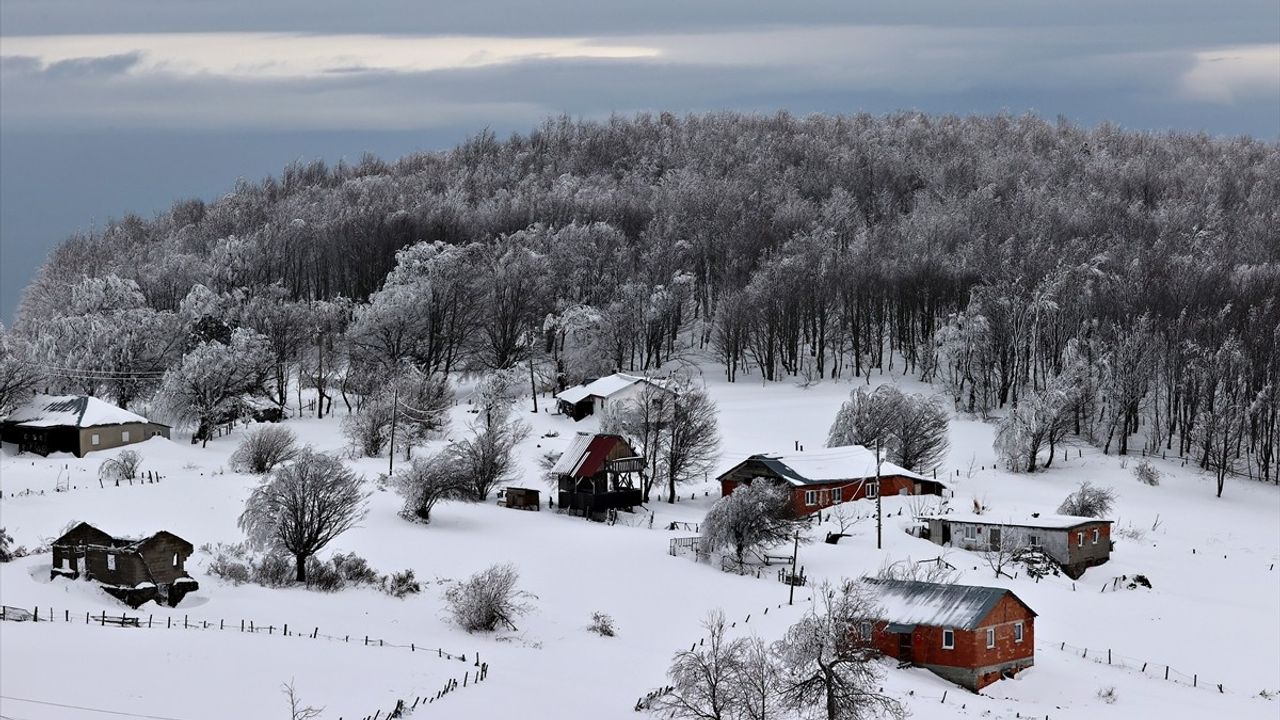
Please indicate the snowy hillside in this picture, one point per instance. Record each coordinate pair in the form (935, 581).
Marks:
(1211, 615)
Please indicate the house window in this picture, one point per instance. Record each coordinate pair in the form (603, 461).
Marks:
(1017, 632)
(124, 436)
(873, 489)
(94, 439)
(111, 561)
(1095, 536)
(837, 496)
(1079, 539)
(866, 631)
(948, 638)
(970, 532)
(1033, 540)
(991, 638)
(810, 497)
(175, 559)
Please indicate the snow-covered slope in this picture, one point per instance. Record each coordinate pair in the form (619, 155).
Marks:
(1212, 615)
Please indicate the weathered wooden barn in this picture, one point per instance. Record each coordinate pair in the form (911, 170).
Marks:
(597, 474)
(76, 424)
(580, 401)
(970, 635)
(1076, 543)
(134, 570)
(828, 476)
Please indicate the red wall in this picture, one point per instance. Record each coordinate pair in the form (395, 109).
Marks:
(852, 490)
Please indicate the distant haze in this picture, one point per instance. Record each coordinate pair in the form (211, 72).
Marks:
(108, 108)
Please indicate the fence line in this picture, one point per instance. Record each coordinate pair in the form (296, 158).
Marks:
(1150, 669)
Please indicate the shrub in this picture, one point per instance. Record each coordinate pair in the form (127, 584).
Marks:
(369, 429)
(324, 576)
(401, 583)
(487, 599)
(1146, 473)
(1088, 501)
(1107, 695)
(273, 570)
(355, 569)
(602, 625)
(229, 563)
(121, 467)
(264, 448)
(6, 541)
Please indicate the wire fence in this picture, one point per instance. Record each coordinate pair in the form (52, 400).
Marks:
(68, 478)
(477, 672)
(1156, 670)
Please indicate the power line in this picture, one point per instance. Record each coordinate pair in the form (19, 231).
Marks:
(88, 709)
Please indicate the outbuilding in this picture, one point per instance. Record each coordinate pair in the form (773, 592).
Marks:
(1073, 542)
(597, 474)
(968, 634)
(821, 478)
(76, 424)
(589, 398)
(133, 570)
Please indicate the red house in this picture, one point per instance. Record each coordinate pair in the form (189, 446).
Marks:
(970, 635)
(595, 475)
(829, 476)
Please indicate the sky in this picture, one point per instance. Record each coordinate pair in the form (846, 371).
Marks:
(109, 107)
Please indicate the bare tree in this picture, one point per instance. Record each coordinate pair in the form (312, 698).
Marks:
(298, 711)
(264, 448)
(487, 599)
(911, 427)
(830, 669)
(757, 682)
(692, 443)
(1088, 500)
(705, 678)
(428, 481)
(121, 467)
(302, 506)
(937, 570)
(1004, 548)
(486, 459)
(756, 515)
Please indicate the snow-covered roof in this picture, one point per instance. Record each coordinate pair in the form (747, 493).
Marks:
(587, 455)
(847, 462)
(1045, 522)
(71, 411)
(573, 455)
(604, 387)
(911, 602)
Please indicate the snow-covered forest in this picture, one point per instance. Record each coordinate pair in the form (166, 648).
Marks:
(1117, 286)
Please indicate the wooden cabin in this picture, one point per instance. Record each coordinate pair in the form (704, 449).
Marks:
(970, 635)
(522, 498)
(589, 398)
(134, 570)
(76, 424)
(1073, 542)
(597, 474)
(828, 476)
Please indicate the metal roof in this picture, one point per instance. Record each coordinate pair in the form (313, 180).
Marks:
(70, 411)
(827, 465)
(911, 602)
(1044, 522)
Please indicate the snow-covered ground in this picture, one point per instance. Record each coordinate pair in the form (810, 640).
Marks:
(1213, 613)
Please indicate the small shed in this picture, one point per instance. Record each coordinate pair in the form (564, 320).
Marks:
(522, 498)
(596, 474)
(829, 476)
(134, 570)
(968, 634)
(76, 424)
(1075, 543)
(580, 401)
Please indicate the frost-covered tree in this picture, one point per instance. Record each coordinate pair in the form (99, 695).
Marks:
(642, 420)
(581, 344)
(830, 669)
(1089, 500)
(486, 458)
(263, 448)
(19, 373)
(488, 599)
(754, 516)
(212, 380)
(706, 679)
(430, 480)
(1039, 420)
(911, 428)
(302, 506)
(690, 445)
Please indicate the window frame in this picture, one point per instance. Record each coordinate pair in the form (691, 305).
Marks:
(970, 532)
(1096, 535)
(124, 436)
(837, 495)
(810, 498)
(948, 633)
(111, 561)
(991, 638)
(1033, 540)
(1080, 539)
(1018, 632)
(175, 559)
(95, 439)
(873, 490)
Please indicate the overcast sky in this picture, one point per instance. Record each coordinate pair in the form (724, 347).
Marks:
(109, 107)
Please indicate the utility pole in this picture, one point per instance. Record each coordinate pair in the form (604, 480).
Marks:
(879, 512)
(795, 555)
(395, 410)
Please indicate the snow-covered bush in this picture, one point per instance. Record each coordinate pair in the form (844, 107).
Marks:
(121, 467)
(488, 599)
(355, 569)
(264, 448)
(1088, 501)
(369, 429)
(429, 480)
(6, 542)
(229, 562)
(273, 570)
(401, 583)
(602, 624)
(324, 576)
(934, 571)
(1146, 473)
(1108, 695)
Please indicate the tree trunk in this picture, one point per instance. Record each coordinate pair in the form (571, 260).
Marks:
(300, 561)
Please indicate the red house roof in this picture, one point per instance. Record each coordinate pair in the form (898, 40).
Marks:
(587, 455)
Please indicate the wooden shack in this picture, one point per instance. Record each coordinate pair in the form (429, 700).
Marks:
(76, 424)
(589, 398)
(970, 635)
(133, 570)
(597, 474)
(522, 498)
(821, 478)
